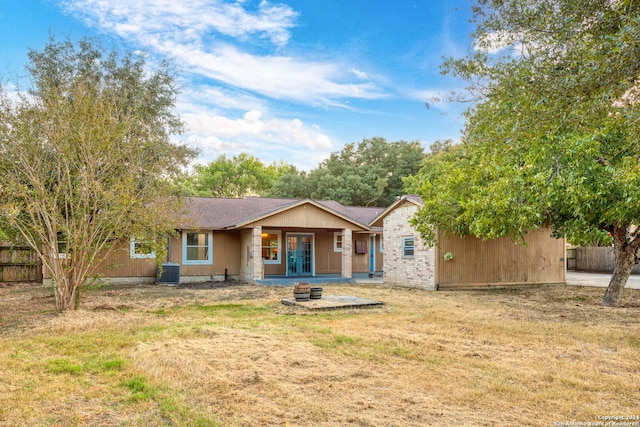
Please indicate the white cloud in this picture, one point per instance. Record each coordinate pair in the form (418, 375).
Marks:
(228, 88)
(191, 36)
(271, 137)
(359, 74)
(205, 97)
(187, 19)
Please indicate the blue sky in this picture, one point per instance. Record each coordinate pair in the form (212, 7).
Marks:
(290, 80)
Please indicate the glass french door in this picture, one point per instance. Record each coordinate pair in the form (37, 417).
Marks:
(299, 255)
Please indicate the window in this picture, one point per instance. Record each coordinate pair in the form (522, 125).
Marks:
(271, 241)
(381, 244)
(61, 246)
(408, 246)
(140, 249)
(337, 241)
(197, 248)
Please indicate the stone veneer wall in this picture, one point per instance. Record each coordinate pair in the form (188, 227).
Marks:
(418, 271)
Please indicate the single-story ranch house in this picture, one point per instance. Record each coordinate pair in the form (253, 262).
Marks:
(265, 240)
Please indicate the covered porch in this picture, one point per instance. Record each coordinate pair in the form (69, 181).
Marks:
(308, 242)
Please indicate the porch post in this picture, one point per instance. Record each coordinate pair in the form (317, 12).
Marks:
(347, 254)
(256, 251)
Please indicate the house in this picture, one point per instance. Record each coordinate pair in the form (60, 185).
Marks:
(254, 239)
(457, 262)
(265, 240)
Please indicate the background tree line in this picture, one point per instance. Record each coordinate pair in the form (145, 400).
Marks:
(369, 173)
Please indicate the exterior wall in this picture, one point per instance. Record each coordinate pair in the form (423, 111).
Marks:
(226, 251)
(416, 271)
(326, 259)
(121, 268)
(479, 262)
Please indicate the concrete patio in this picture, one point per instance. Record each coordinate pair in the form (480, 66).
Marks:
(333, 302)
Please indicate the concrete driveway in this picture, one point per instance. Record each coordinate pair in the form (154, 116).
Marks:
(598, 279)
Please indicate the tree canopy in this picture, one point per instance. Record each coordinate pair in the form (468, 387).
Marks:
(86, 158)
(241, 175)
(552, 138)
(367, 174)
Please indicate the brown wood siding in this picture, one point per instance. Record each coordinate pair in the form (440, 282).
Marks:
(327, 261)
(122, 265)
(19, 264)
(308, 217)
(479, 262)
(226, 255)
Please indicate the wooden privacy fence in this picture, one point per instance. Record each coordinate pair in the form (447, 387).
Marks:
(597, 260)
(19, 264)
(477, 262)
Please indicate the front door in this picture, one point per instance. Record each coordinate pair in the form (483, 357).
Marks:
(299, 255)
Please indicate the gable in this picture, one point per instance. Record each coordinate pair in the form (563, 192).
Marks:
(306, 216)
(404, 201)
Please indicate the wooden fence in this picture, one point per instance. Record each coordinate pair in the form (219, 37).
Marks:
(597, 260)
(479, 262)
(19, 264)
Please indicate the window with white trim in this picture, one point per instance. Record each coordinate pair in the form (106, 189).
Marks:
(408, 246)
(140, 249)
(271, 243)
(381, 244)
(337, 241)
(61, 246)
(197, 247)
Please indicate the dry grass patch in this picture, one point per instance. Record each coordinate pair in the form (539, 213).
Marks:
(234, 356)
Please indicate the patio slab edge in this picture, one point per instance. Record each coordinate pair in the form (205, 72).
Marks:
(333, 302)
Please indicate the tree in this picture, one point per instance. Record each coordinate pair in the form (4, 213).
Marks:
(242, 175)
(291, 184)
(552, 139)
(86, 159)
(367, 174)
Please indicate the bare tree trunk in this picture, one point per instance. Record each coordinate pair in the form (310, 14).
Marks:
(65, 287)
(625, 259)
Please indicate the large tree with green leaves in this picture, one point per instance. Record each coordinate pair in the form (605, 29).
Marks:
(86, 159)
(241, 175)
(553, 138)
(369, 173)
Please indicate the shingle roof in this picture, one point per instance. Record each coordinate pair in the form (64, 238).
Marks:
(223, 213)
